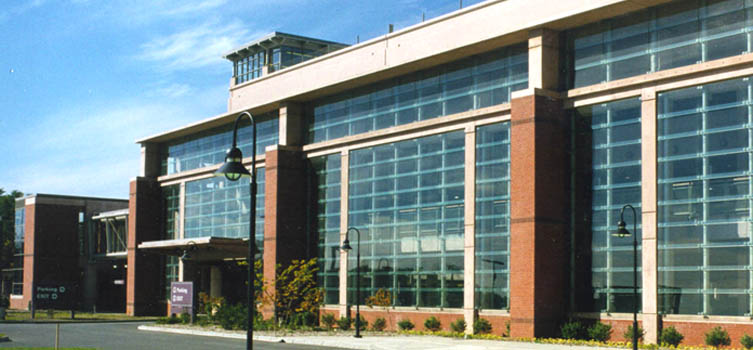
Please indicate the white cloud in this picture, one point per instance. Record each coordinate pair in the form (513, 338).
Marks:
(195, 47)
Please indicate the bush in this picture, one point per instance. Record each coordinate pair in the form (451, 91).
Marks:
(185, 318)
(168, 320)
(573, 330)
(328, 320)
(670, 336)
(717, 337)
(432, 324)
(405, 325)
(232, 316)
(363, 324)
(746, 341)
(629, 334)
(4, 302)
(482, 326)
(458, 326)
(600, 332)
(506, 333)
(302, 319)
(379, 324)
(343, 323)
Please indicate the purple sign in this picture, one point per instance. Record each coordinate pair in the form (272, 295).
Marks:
(181, 297)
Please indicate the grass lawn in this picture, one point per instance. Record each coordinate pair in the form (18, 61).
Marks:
(65, 316)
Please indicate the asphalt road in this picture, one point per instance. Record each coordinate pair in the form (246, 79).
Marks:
(123, 336)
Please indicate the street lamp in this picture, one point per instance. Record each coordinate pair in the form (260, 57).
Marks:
(233, 170)
(346, 247)
(623, 232)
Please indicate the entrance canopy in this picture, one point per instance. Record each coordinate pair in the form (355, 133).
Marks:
(200, 249)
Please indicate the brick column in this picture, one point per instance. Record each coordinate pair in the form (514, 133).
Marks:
(143, 291)
(285, 237)
(538, 213)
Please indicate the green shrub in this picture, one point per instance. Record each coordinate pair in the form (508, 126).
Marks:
(343, 323)
(232, 316)
(482, 326)
(600, 331)
(458, 326)
(405, 325)
(302, 319)
(167, 320)
(328, 320)
(379, 324)
(717, 337)
(432, 324)
(670, 336)
(506, 333)
(363, 324)
(261, 324)
(573, 330)
(629, 334)
(185, 318)
(746, 341)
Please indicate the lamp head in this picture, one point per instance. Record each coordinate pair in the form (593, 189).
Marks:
(186, 255)
(621, 230)
(346, 245)
(233, 168)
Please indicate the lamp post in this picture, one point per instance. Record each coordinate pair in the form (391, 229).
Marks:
(623, 232)
(346, 247)
(233, 170)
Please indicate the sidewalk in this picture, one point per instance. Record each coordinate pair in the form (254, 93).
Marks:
(386, 342)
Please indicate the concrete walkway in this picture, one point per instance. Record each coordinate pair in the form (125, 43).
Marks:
(387, 342)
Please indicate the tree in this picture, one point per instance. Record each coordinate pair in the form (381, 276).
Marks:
(297, 293)
(7, 228)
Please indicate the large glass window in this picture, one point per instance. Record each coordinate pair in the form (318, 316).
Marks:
(471, 83)
(249, 67)
(171, 202)
(17, 268)
(668, 36)
(609, 151)
(110, 235)
(493, 216)
(20, 221)
(407, 199)
(218, 207)
(326, 197)
(209, 147)
(704, 193)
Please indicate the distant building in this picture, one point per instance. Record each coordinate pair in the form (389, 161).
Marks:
(76, 241)
(485, 156)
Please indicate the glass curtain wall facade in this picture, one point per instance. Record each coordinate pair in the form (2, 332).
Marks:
(493, 216)
(407, 199)
(326, 186)
(677, 34)
(704, 193)
(208, 148)
(286, 56)
(609, 144)
(171, 200)
(218, 207)
(471, 83)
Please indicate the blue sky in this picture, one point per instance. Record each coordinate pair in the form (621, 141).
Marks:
(81, 80)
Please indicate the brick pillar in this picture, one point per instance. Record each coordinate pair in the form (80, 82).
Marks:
(538, 213)
(29, 249)
(144, 278)
(285, 200)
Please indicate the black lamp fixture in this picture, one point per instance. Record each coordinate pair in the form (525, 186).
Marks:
(623, 232)
(346, 247)
(188, 251)
(233, 170)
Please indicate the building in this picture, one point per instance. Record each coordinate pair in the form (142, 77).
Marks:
(485, 156)
(72, 241)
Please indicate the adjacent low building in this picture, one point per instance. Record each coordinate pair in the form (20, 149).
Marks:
(75, 242)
